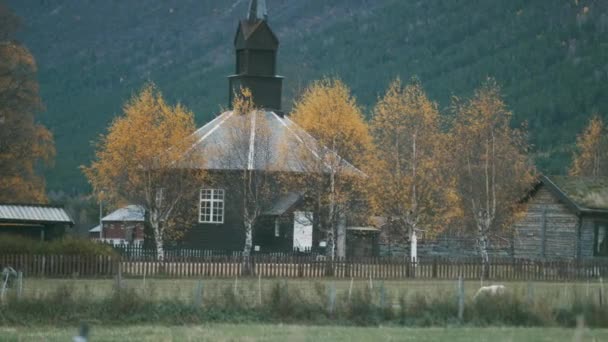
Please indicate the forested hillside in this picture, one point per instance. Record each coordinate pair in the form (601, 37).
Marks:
(550, 56)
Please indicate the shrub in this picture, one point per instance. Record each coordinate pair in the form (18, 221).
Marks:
(505, 309)
(421, 311)
(129, 305)
(361, 310)
(14, 244)
(290, 304)
(594, 315)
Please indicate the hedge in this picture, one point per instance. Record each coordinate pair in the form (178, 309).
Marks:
(13, 244)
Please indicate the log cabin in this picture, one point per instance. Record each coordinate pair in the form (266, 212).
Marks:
(566, 217)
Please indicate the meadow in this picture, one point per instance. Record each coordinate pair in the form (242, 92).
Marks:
(251, 289)
(259, 309)
(259, 332)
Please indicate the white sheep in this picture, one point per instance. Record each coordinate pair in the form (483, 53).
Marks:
(492, 290)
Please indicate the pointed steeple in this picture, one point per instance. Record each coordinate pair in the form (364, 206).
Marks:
(257, 10)
(256, 49)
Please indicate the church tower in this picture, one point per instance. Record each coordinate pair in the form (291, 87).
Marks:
(256, 59)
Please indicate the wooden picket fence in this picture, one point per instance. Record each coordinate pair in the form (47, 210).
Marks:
(60, 266)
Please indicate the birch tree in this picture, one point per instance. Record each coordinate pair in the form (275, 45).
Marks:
(144, 160)
(248, 151)
(408, 185)
(340, 143)
(490, 163)
(591, 157)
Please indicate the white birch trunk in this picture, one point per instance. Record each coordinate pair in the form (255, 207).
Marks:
(248, 239)
(483, 243)
(341, 237)
(413, 246)
(331, 234)
(158, 237)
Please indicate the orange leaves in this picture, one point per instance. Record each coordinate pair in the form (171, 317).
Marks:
(329, 112)
(408, 182)
(592, 145)
(243, 102)
(23, 142)
(489, 159)
(150, 135)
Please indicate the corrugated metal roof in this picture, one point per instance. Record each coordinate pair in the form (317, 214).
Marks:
(36, 213)
(130, 213)
(227, 143)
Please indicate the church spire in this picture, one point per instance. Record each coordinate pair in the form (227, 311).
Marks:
(256, 49)
(257, 10)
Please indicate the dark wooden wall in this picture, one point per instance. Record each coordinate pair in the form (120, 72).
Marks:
(230, 236)
(549, 229)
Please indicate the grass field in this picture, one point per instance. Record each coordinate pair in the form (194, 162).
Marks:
(300, 333)
(247, 288)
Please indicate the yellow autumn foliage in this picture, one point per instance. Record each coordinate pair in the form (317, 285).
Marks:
(409, 184)
(24, 144)
(491, 163)
(329, 112)
(144, 159)
(591, 158)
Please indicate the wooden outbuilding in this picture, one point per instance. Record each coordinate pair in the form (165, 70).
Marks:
(566, 217)
(37, 221)
(124, 226)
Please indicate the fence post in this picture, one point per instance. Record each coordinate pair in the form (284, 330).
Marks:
(260, 288)
(19, 284)
(43, 266)
(198, 294)
(119, 277)
(460, 299)
(601, 290)
(331, 299)
(382, 296)
(350, 289)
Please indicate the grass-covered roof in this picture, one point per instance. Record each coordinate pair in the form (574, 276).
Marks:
(585, 192)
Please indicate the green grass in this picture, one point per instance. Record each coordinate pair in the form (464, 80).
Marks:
(184, 289)
(246, 332)
(54, 302)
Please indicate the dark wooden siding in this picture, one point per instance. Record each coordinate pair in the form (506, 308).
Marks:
(228, 236)
(587, 237)
(548, 229)
(264, 234)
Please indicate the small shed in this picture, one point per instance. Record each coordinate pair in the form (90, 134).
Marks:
(122, 226)
(566, 217)
(38, 221)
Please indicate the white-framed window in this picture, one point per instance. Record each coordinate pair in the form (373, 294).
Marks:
(211, 208)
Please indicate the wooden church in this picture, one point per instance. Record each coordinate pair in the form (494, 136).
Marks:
(246, 154)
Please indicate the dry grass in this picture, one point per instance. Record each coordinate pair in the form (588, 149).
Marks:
(556, 294)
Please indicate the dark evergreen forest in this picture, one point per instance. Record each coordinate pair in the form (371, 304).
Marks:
(550, 56)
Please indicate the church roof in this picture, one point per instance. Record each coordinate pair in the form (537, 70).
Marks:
(257, 10)
(284, 203)
(275, 144)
